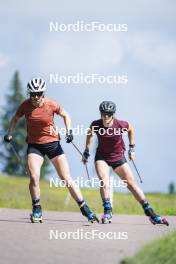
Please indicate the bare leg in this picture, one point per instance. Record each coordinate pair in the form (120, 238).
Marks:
(103, 174)
(125, 173)
(34, 162)
(61, 164)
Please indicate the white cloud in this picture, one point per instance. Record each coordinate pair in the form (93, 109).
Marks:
(154, 50)
(85, 52)
(103, 52)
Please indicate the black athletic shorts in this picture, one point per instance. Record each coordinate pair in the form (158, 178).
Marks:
(114, 164)
(51, 150)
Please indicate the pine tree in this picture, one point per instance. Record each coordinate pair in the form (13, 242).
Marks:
(10, 164)
(171, 188)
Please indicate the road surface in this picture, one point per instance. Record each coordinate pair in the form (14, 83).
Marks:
(66, 237)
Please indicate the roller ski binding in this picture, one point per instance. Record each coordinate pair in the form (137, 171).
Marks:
(36, 216)
(107, 216)
(91, 216)
(154, 218)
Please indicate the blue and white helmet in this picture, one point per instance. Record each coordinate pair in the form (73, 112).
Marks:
(36, 85)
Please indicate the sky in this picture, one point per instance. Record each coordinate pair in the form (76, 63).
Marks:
(145, 53)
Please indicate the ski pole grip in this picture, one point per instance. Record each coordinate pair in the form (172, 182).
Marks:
(7, 138)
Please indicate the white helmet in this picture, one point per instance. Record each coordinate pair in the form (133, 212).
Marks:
(36, 85)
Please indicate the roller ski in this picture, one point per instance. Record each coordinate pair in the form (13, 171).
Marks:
(159, 221)
(36, 216)
(91, 216)
(107, 216)
(154, 218)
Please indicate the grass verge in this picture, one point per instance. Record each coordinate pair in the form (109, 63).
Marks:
(15, 194)
(160, 251)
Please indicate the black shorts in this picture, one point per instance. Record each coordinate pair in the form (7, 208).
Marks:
(51, 150)
(114, 164)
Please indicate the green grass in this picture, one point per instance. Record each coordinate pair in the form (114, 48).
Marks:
(14, 193)
(161, 251)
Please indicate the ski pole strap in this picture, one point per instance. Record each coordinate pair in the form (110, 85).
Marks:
(86, 155)
(69, 136)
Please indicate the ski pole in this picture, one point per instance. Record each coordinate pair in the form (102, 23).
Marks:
(82, 156)
(87, 172)
(77, 148)
(141, 181)
(18, 158)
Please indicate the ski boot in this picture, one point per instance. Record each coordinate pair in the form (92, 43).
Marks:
(107, 216)
(154, 218)
(85, 210)
(36, 216)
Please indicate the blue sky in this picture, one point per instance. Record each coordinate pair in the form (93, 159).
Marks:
(146, 53)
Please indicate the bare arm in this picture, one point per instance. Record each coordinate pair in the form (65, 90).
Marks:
(87, 147)
(12, 124)
(131, 152)
(131, 135)
(89, 139)
(67, 120)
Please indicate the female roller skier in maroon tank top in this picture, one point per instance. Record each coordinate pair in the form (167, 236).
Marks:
(110, 153)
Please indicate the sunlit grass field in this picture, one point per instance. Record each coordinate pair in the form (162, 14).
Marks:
(161, 251)
(14, 193)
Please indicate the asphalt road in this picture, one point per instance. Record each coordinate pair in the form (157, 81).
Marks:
(69, 238)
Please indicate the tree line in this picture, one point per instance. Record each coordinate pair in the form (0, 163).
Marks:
(16, 94)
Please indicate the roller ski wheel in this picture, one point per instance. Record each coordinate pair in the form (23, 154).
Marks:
(159, 221)
(106, 219)
(36, 216)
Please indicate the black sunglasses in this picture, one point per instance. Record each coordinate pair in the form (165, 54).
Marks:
(108, 114)
(38, 94)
